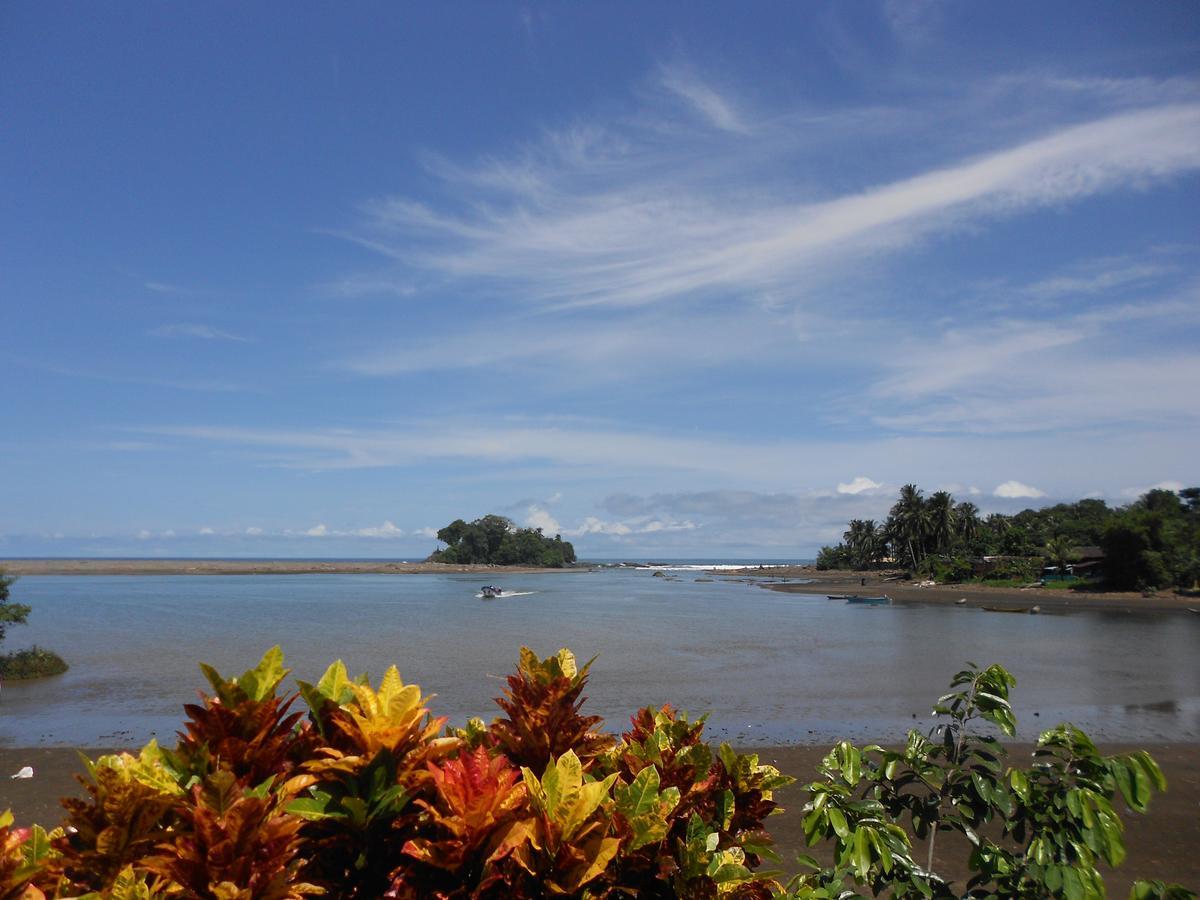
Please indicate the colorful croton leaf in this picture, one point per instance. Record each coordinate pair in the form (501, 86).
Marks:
(644, 809)
(542, 719)
(360, 722)
(569, 844)
(132, 802)
(24, 853)
(244, 727)
(476, 795)
(366, 774)
(231, 843)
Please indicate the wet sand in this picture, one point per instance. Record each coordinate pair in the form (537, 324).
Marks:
(253, 567)
(1049, 600)
(1161, 844)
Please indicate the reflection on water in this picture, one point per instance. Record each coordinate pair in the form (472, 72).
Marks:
(771, 667)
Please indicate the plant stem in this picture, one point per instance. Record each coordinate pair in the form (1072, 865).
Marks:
(958, 742)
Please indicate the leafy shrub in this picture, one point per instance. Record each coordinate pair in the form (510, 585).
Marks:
(833, 558)
(370, 795)
(36, 662)
(1056, 820)
(953, 570)
(1021, 569)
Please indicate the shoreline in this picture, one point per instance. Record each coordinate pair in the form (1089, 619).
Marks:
(34, 567)
(1160, 843)
(821, 583)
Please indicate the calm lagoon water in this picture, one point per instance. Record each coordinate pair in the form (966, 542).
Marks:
(770, 667)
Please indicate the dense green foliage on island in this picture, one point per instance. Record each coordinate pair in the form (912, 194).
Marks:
(32, 663)
(365, 794)
(496, 540)
(1151, 543)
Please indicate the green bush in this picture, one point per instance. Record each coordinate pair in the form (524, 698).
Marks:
(952, 571)
(32, 663)
(1048, 827)
(367, 795)
(833, 558)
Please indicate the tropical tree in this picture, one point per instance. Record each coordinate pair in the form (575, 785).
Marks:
(966, 516)
(10, 613)
(908, 523)
(942, 520)
(1060, 553)
(863, 541)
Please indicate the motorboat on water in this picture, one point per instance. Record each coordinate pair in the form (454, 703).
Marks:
(490, 592)
(881, 600)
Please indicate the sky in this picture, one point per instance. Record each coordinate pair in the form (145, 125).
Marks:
(674, 279)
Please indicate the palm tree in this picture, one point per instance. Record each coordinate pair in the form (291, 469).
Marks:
(940, 507)
(862, 541)
(908, 523)
(1060, 552)
(967, 514)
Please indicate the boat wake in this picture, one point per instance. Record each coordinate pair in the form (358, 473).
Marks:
(503, 594)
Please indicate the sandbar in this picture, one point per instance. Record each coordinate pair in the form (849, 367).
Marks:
(256, 567)
(821, 583)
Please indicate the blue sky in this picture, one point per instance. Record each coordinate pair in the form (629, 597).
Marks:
(670, 279)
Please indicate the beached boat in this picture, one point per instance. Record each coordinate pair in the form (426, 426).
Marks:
(490, 592)
(838, 596)
(881, 600)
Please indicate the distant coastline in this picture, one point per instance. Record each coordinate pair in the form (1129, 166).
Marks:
(25, 567)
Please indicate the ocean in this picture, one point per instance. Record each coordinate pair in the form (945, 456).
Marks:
(767, 667)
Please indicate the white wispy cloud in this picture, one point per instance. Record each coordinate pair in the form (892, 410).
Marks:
(592, 349)
(684, 82)
(1029, 374)
(195, 330)
(642, 234)
(581, 448)
(1106, 278)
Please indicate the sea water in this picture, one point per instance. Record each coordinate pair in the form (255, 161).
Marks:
(768, 667)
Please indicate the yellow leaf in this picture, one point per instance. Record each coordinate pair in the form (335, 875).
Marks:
(566, 662)
(604, 853)
(588, 798)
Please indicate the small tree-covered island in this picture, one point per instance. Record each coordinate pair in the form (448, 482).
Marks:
(496, 540)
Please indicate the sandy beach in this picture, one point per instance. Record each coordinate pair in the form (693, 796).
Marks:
(253, 567)
(823, 583)
(1161, 844)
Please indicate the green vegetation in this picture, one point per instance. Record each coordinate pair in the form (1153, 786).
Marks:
(24, 664)
(496, 540)
(1151, 543)
(34, 662)
(1048, 826)
(10, 613)
(367, 794)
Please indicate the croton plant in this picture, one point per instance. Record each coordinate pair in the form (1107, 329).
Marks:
(367, 794)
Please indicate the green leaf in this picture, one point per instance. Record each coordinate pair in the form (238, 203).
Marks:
(725, 810)
(838, 821)
(862, 853)
(639, 797)
(312, 808)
